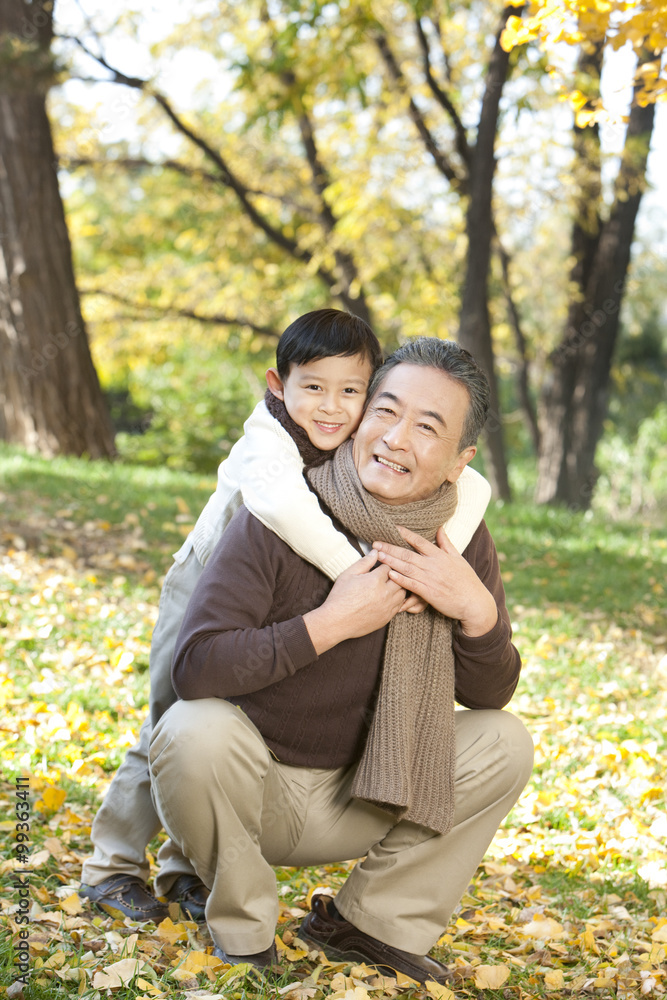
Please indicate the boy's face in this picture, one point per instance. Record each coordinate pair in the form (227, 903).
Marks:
(325, 397)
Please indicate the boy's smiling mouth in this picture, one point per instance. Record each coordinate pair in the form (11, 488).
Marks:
(327, 428)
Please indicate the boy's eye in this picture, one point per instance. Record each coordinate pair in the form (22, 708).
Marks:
(312, 387)
(351, 390)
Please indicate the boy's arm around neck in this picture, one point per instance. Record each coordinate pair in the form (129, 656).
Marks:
(474, 493)
(275, 490)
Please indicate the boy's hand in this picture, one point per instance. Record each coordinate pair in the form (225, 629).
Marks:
(359, 602)
(414, 605)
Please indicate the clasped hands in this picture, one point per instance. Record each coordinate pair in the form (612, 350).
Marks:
(365, 598)
(438, 575)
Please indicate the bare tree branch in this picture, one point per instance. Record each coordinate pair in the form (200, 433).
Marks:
(475, 327)
(217, 319)
(242, 192)
(441, 97)
(439, 158)
(321, 181)
(523, 380)
(196, 173)
(140, 163)
(226, 174)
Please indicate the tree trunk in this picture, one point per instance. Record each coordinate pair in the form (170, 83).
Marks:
(475, 326)
(50, 397)
(574, 399)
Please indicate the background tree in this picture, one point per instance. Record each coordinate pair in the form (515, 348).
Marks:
(50, 398)
(354, 144)
(575, 392)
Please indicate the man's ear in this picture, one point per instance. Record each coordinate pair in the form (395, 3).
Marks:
(275, 383)
(465, 456)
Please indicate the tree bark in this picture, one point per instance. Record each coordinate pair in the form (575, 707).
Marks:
(475, 325)
(574, 399)
(50, 397)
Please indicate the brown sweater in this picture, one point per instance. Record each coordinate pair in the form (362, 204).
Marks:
(243, 638)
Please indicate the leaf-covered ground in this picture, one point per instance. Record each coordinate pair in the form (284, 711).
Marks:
(572, 897)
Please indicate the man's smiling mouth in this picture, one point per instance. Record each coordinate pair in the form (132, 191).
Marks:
(391, 465)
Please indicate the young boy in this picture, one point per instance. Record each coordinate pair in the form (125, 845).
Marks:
(314, 402)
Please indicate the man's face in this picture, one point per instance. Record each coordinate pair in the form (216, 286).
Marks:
(407, 443)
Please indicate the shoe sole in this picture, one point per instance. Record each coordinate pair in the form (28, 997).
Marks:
(352, 956)
(118, 914)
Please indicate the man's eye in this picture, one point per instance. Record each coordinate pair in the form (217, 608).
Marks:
(384, 410)
(427, 427)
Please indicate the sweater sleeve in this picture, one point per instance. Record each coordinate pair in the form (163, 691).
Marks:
(487, 666)
(276, 492)
(474, 493)
(224, 647)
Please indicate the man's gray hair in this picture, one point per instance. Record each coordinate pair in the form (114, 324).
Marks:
(448, 357)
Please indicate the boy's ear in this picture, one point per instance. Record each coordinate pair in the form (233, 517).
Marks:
(275, 383)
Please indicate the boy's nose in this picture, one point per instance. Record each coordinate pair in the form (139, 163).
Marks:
(329, 404)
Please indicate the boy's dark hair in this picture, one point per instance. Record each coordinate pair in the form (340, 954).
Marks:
(450, 358)
(326, 333)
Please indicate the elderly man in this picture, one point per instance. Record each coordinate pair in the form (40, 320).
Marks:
(317, 722)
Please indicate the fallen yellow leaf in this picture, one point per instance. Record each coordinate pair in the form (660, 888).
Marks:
(588, 942)
(554, 980)
(195, 961)
(54, 845)
(169, 931)
(150, 988)
(438, 990)
(72, 905)
(39, 859)
(56, 960)
(184, 975)
(118, 974)
(543, 928)
(403, 980)
(491, 977)
(51, 800)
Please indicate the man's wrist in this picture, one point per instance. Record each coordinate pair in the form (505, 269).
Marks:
(482, 620)
(324, 633)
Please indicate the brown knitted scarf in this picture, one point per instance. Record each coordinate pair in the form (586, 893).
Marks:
(407, 766)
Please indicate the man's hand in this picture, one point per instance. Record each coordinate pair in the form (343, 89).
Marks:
(359, 602)
(443, 578)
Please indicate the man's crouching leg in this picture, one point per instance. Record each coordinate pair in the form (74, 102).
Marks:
(208, 764)
(407, 888)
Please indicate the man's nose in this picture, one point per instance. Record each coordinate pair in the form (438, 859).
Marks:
(397, 436)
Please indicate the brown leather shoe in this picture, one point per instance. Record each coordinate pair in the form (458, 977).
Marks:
(339, 939)
(191, 893)
(264, 960)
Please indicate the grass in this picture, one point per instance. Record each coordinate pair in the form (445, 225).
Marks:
(572, 897)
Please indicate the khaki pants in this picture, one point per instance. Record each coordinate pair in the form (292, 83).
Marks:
(126, 821)
(235, 811)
